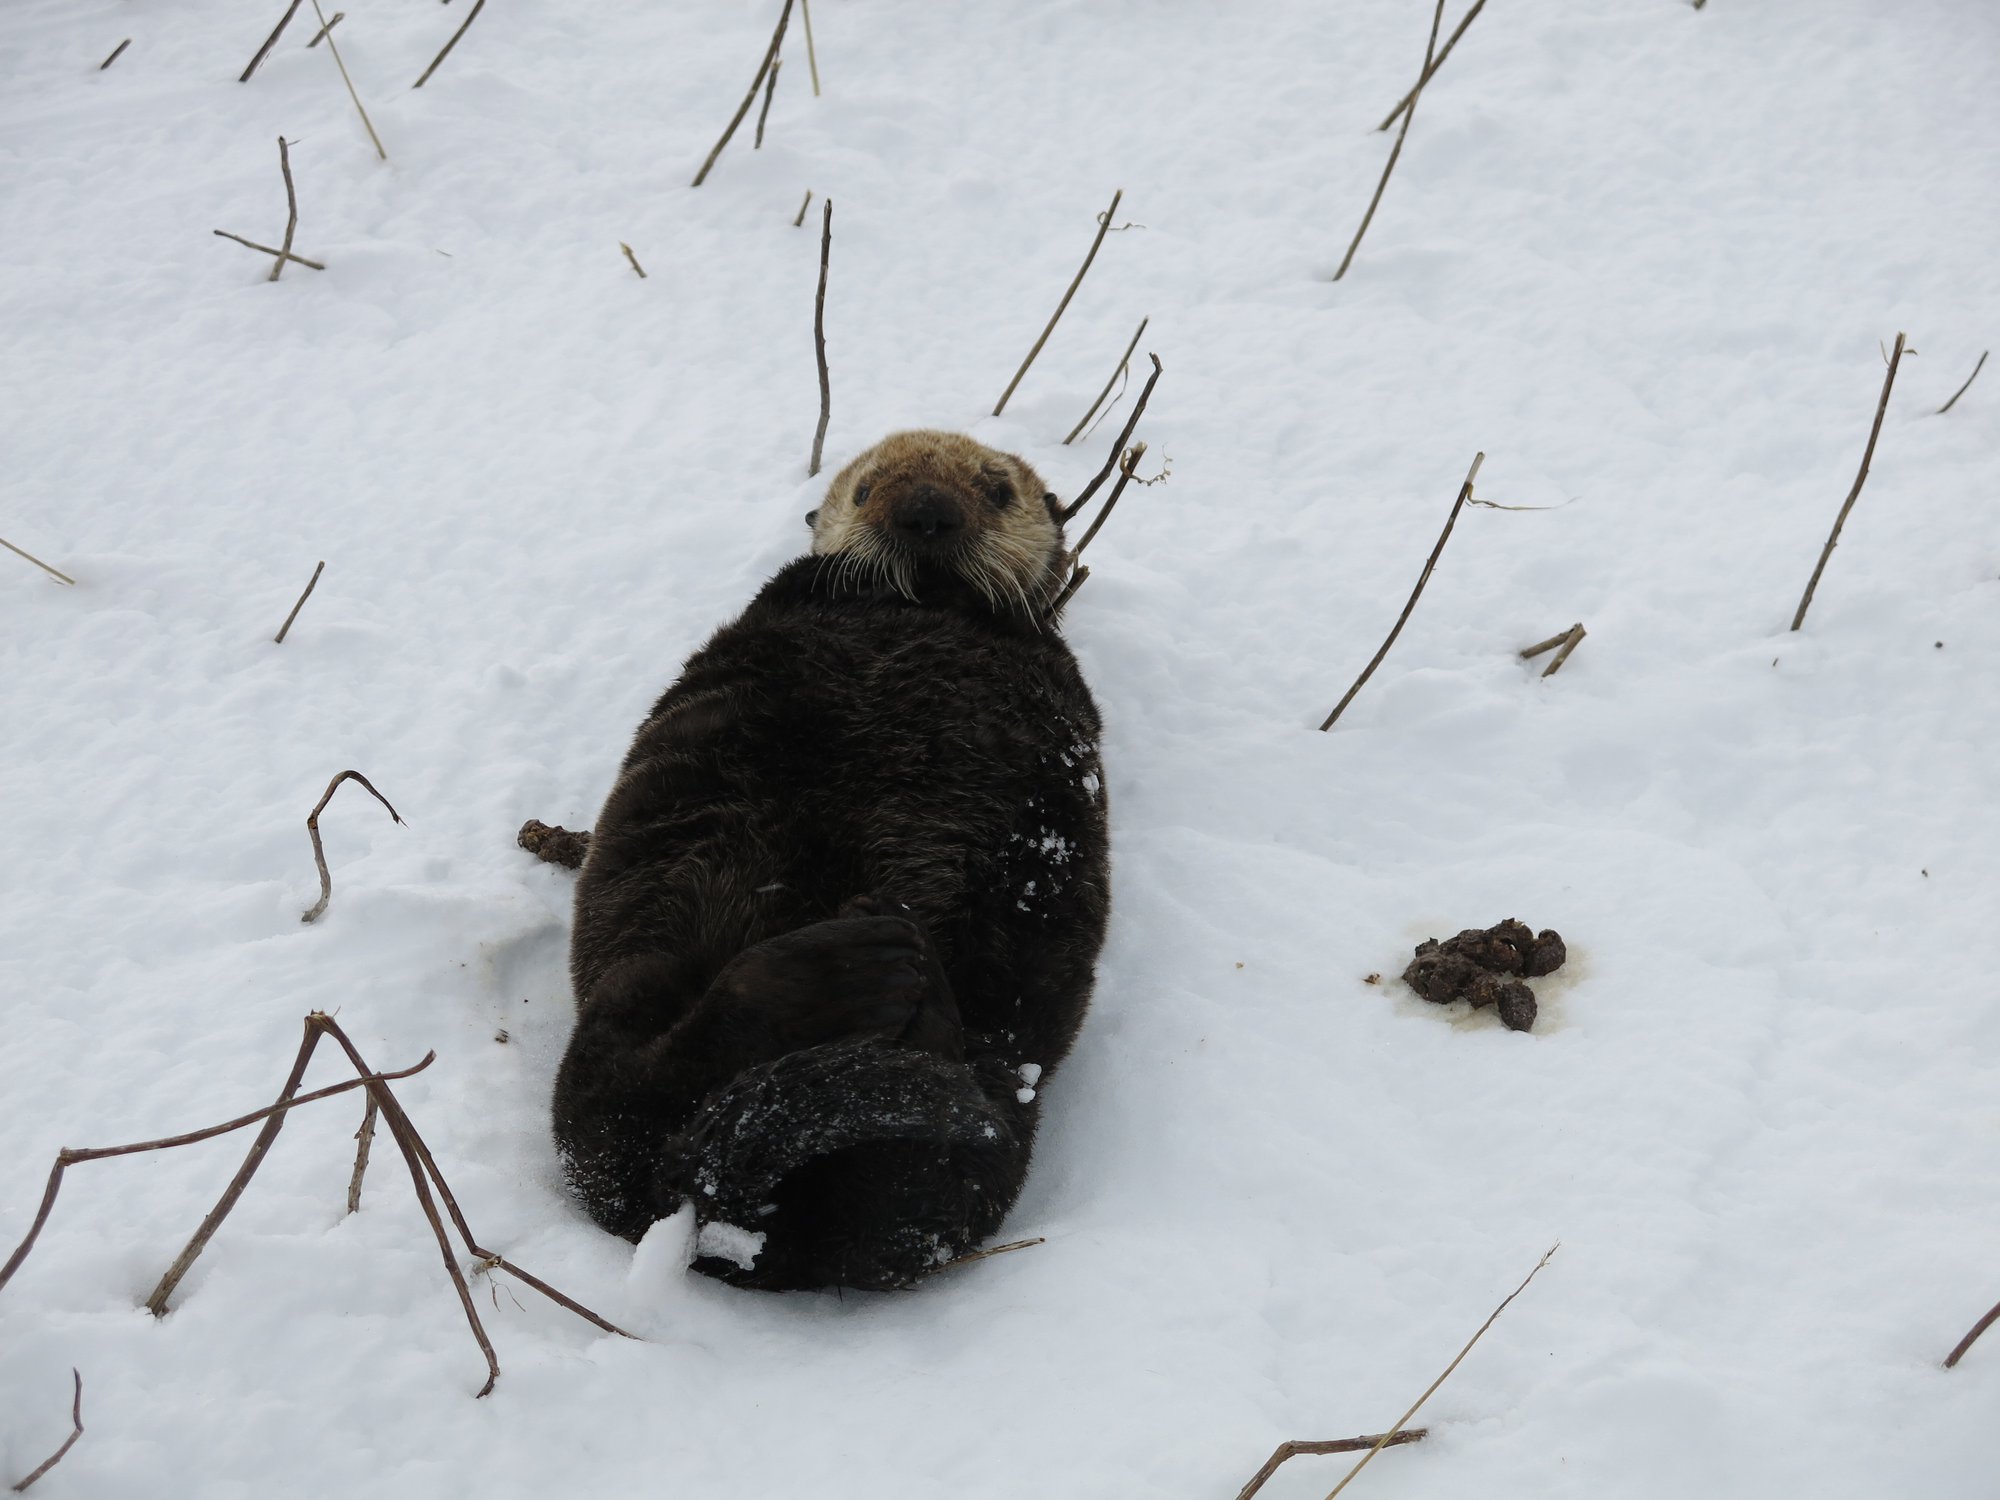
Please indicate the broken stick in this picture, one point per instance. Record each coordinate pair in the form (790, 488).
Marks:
(319, 853)
(1942, 409)
(1103, 228)
(1290, 1450)
(1443, 52)
(291, 209)
(470, 16)
(63, 577)
(1833, 538)
(116, 52)
(770, 88)
(633, 258)
(819, 335)
(1464, 493)
(326, 30)
(1409, 114)
(269, 42)
(279, 638)
(295, 259)
(770, 56)
(76, 1431)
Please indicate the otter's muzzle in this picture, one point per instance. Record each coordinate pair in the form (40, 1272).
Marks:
(927, 518)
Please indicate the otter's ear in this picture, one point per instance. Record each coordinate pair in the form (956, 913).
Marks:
(812, 518)
(1055, 506)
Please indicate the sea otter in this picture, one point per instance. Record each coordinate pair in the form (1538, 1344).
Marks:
(839, 917)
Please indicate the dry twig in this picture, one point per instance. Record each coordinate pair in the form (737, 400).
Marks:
(326, 30)
(364, 1138)
(1568, 639)
(971, 1256)
(63, 577)
(1972, 1334)
(770, 56)
(1833, 538)
(281, 254)
(1103, 227)
(633, 258)
(1464, 493)
(70, 1156)
(1294, 1449)
(804, 204)
(1390, 1436)
(269, 42)
(320, 35)
(819, 335)
(311, 582)
(1430, 68)
(76, 1431)
(1069, 589)
(291, 209)
(770, 88)
(1409, 114)
(812, 57)
(1118, 448)
(1942, 409)
(470, 16)
(1128, 465)
(319, 854)
(1124, 364)
(116, 52)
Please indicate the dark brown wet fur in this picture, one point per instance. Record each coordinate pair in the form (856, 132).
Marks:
(855, 857)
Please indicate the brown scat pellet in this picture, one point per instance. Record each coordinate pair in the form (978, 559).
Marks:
(1440, 977)
(1550, 953)
(1513, 999)
(1501, 949)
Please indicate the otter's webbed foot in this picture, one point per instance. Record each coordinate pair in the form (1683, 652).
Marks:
(868, 974)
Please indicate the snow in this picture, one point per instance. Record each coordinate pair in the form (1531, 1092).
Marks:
(1639, 255)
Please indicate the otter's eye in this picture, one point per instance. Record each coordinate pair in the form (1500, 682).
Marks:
(861, 493)
(995, 486)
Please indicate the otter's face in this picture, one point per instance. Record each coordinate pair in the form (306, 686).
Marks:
(920, 503)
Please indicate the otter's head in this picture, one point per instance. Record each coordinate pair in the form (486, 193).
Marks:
(934, 514)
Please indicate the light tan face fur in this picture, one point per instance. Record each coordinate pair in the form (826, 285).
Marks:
(1009, 547)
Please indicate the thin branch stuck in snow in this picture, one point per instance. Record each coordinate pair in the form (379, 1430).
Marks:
(319, 853)
(1103, 228)
(770, 57)
(1868, 453)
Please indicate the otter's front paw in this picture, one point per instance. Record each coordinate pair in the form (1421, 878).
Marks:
(849, 977)
(935, 1028)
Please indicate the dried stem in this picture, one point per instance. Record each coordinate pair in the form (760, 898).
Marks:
(812, 57)
(1390, 1436)
(319, 854)
(291, 209)
(1854, 494)
(1572, 638)
(804, 204)
(326, 30)
(1128, 465)
(770, 88)
(1464, 493)
(968, 1258)
(819, 335)
(1409, 114)
(76, 1431)
(320, 35)
(364, 1139)
(269, 42)
(1337, 1445)
(1103, 228)
(470, 16)
(1972, 1335)
(1429, 68)
(1068, 591)
(295, 259)
(156, 1304)
(1940, 411)
(70, 1156)
(318, 568)
(116, 52)
(770, 56)
(401, 1126)
(1123, 364)
(53, 573)
(633, 258)
(1118, 448)
(1548, 645)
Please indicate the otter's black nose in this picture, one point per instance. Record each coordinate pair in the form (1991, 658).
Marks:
(927, 515)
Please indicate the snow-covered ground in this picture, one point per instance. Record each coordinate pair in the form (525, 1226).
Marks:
(1640, 255)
